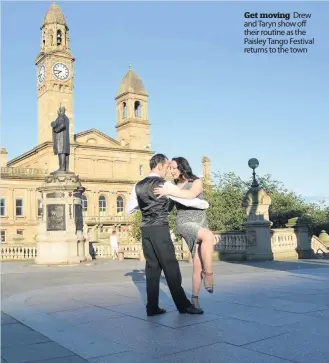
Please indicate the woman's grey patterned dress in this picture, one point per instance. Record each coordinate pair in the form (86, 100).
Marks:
(189, 221)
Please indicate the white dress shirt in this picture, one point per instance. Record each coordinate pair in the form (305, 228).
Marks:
(132, 205)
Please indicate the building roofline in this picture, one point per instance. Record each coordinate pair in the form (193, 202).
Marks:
(35, 150)
(83, 133)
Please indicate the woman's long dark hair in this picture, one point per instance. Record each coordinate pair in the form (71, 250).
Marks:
(185, 170)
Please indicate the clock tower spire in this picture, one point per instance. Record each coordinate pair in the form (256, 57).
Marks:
(54, 73)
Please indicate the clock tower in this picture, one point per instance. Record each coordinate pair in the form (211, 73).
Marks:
(54, 73)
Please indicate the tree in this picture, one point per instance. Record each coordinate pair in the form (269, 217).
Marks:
(136, 222)
(225, 196)
(227, 214)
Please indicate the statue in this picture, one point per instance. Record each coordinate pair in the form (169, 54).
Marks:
(61, 139)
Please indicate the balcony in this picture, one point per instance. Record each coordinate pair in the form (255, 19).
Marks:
(106, 219)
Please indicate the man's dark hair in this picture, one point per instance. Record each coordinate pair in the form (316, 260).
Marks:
(157, 159)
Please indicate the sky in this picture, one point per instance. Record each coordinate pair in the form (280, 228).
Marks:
(206, 97)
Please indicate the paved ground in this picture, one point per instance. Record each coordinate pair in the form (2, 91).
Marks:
(275, 312)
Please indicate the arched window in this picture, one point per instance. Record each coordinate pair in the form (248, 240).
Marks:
(137, 108)
(120, 204)
(59, 37)
(102, 205)
(124, 110)
(84, 203)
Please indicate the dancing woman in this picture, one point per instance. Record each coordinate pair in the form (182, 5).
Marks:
(191, 224)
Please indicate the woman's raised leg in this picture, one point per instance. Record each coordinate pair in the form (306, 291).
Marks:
(207, 248)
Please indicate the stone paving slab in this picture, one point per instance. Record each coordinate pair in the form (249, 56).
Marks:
(13, 335)
(21, 344)
(35, 352)
(297, 346)
(324, 314)
(86, 315)
(6, 319)
(259, 313)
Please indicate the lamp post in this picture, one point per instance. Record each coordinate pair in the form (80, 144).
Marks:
(253, 164)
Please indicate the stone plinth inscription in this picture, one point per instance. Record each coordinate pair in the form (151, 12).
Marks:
(55, 217)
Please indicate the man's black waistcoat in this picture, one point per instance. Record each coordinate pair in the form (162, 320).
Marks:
(154, 211)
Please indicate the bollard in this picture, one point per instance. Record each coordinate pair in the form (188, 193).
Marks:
(121, 256)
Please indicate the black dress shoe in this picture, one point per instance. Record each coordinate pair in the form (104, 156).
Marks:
(193, 310)
(157, 312)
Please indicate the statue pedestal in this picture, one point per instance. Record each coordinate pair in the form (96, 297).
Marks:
(58, 241)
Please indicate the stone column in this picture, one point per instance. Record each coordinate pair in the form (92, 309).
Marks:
(87, 238)
(206, 169)
(304, 248)
(257, 227)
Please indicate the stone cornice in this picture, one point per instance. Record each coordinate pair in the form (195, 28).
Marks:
(104, 147)
(107, 181)
(47, 55)
(130, 93)
(46, 144)
(83, 179)
(133, 121)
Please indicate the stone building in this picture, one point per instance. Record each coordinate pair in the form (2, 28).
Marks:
(108, 167)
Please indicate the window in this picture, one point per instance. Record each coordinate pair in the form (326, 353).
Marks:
(3, 236)
(124, 110)
(102, 205)
(20, 232)
(2, 207)
(120, 204)
(141, 170)
(137, 108)
(39, 208)
(59, 37)
(19, 207)
(84, 203)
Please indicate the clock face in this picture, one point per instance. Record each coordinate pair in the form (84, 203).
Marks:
(41, 74)
(61, 71)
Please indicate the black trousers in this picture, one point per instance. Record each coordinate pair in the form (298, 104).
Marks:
(159, 253)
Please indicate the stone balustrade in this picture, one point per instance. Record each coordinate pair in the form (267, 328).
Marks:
(132, 250)
(106, 219)
(18, 252)
(284, 243)
(320, 250)
(231, 246)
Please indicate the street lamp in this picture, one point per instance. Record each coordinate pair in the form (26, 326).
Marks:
(253, 164)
